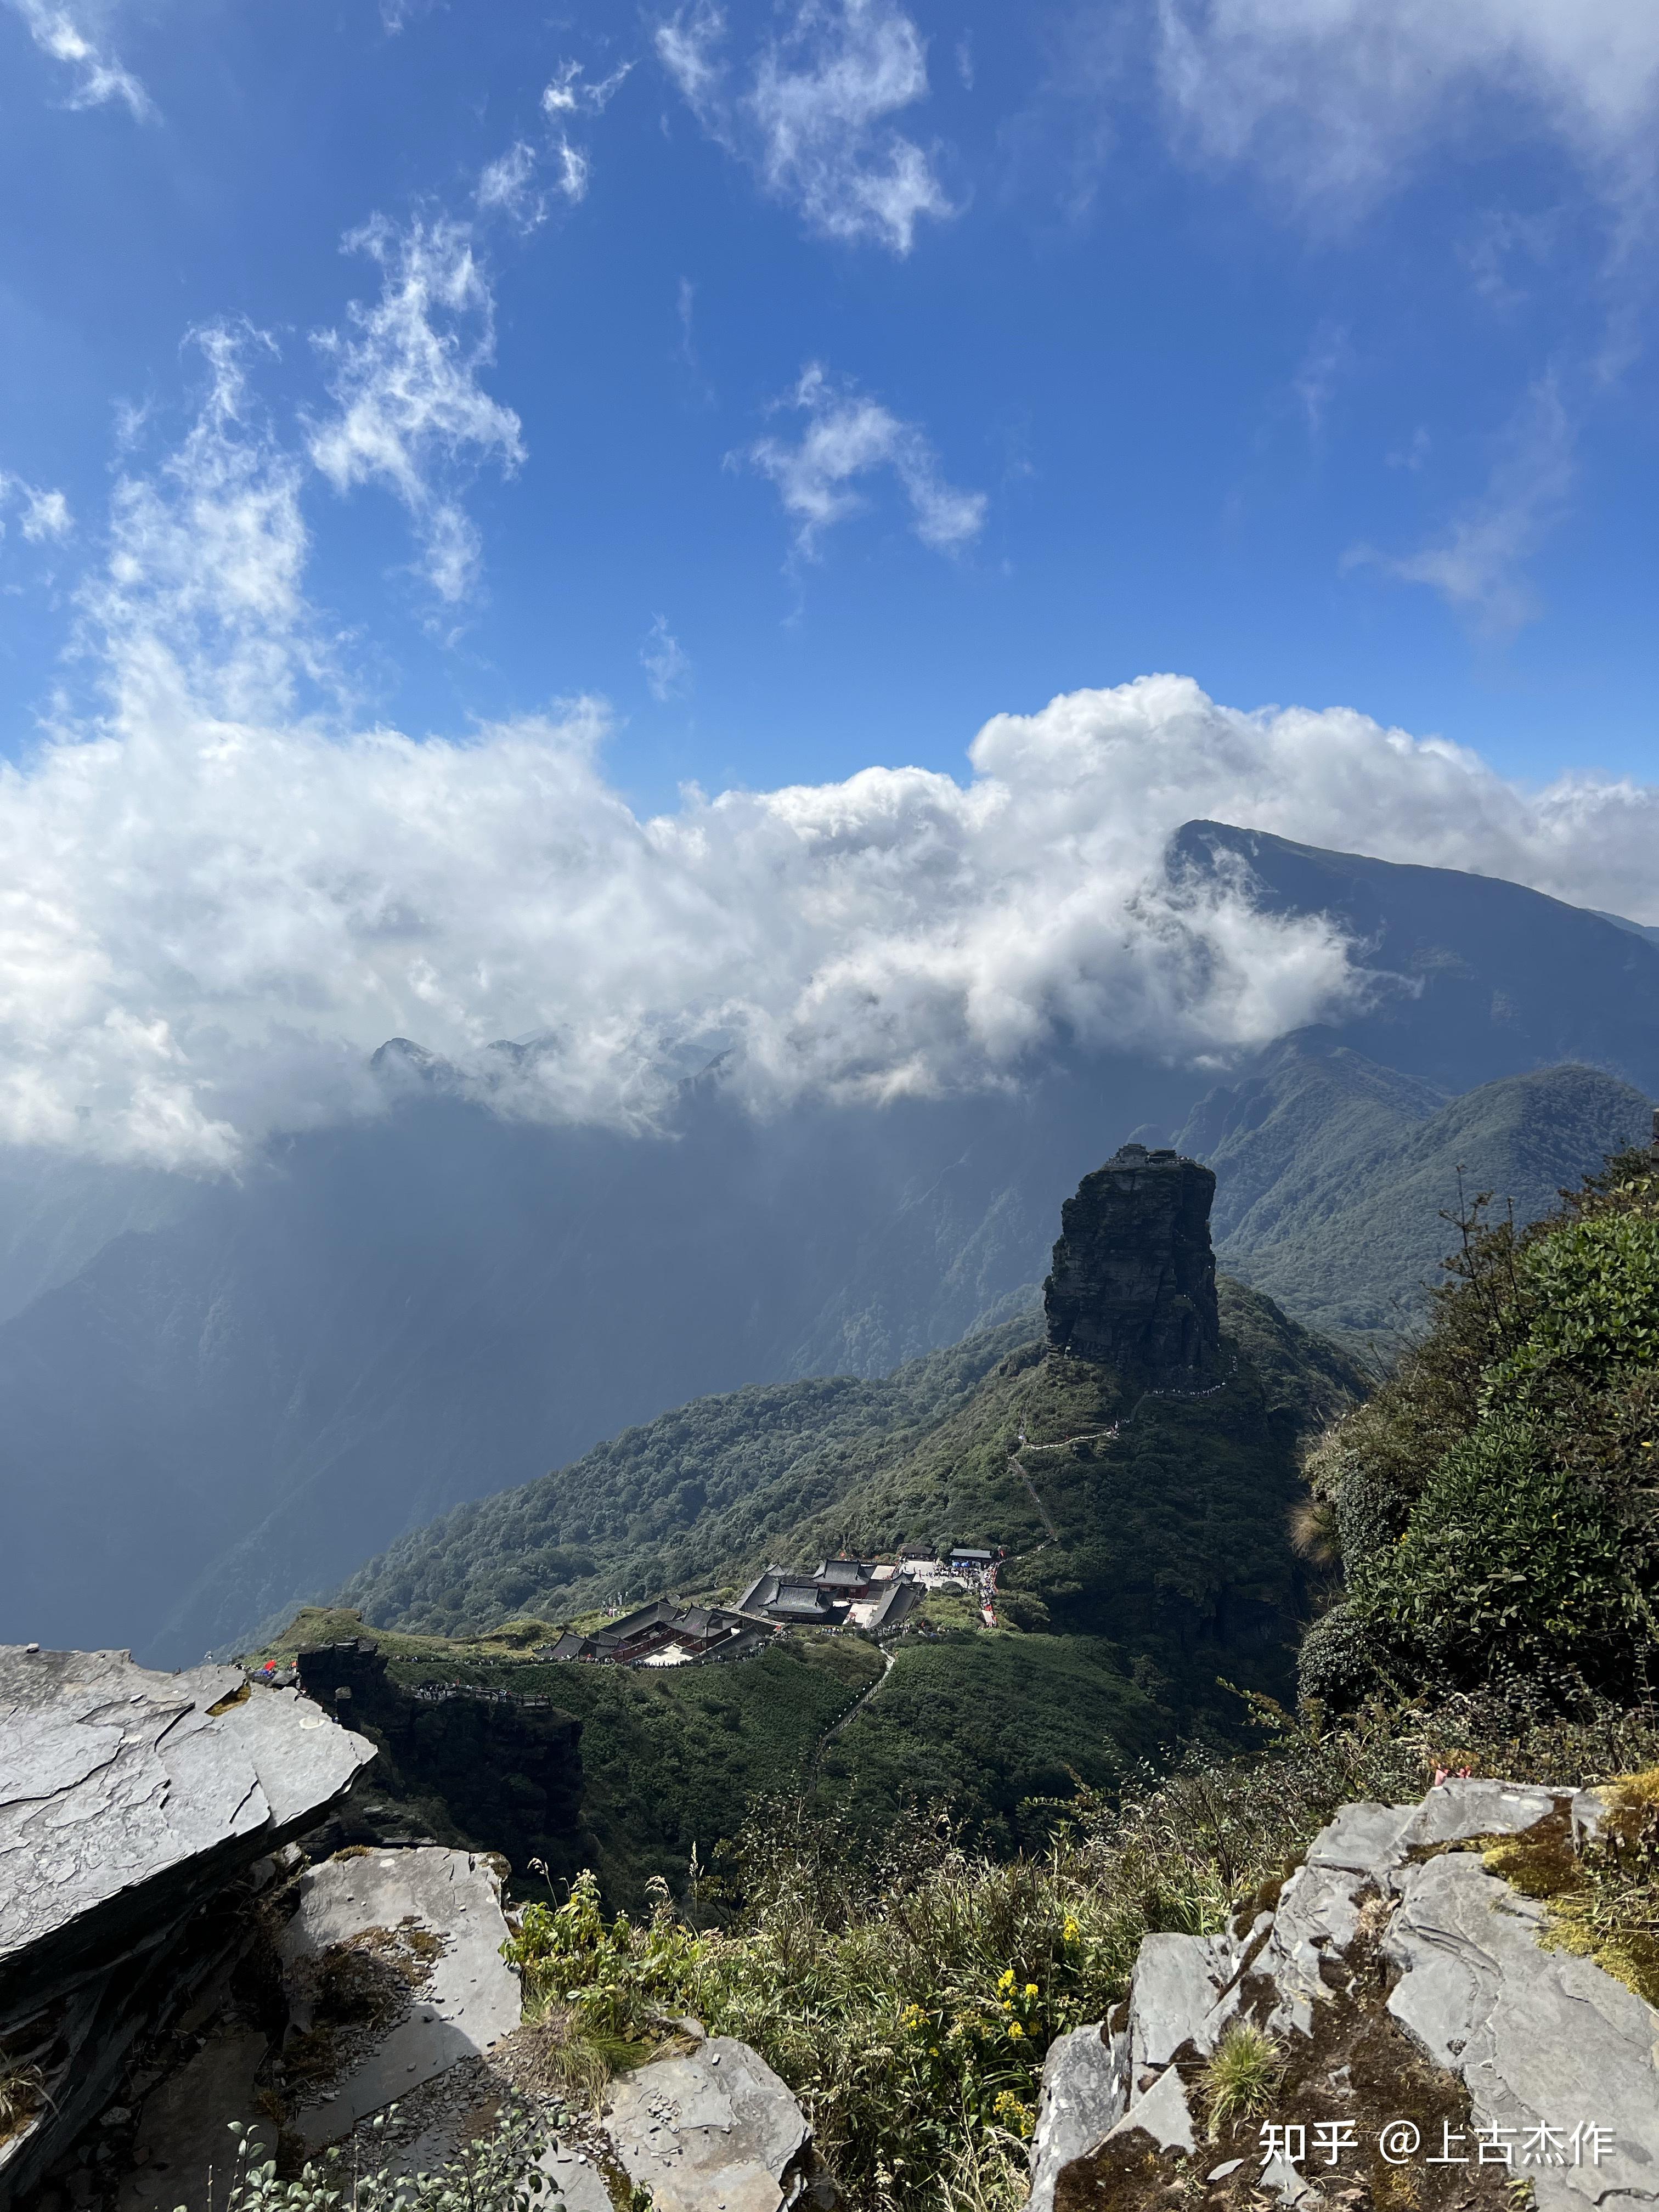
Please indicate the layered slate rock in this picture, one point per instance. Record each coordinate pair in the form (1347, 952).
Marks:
(1133, 1277)
(130, 1803)
(1402, 1981)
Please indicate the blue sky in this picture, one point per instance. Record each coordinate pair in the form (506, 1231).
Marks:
(433, 437)
(1207, 399)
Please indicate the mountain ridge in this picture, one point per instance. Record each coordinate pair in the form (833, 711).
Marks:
(237, 1396)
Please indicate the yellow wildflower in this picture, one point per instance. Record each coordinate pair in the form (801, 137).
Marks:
(1030, 1989)
(1015, 2029)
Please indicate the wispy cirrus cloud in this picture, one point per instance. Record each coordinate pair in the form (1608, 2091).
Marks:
(411, 411)
(1479, 564)
(508, 186)
(814, 118)
(1334, 100)
(41, 515)
(848, 438)
(666, 663)
(513, 185)
(98, 75)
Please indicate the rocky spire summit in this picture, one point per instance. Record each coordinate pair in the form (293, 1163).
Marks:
(1134, 1277)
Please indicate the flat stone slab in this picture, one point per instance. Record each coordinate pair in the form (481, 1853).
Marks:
(1541, 2038)
(1365, 1839)
(1454, 1811)
(581, 2185)
(388, 1906)
(1162, 2113)
(1175, 1997)
(113, 1777)
(714, 2131)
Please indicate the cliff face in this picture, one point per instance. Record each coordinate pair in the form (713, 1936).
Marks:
(1133, 1283)
(509, 1773)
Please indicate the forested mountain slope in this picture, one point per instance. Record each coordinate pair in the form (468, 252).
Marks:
(677, 1501)
(1169, 1536)
(216, 1399)
(1334, 1175)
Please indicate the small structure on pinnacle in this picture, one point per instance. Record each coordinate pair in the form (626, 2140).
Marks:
(1132, 1284)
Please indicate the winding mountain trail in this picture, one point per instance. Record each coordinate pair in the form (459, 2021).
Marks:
(852, 1712)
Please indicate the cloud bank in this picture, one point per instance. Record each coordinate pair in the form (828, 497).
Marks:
(214, 906)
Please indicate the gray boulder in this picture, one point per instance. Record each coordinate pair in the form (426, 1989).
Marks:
(1540, 2043)
(1539, 2037)
(130, 1803)
(1085, 2089)
(419, 1933)
(714, 2130)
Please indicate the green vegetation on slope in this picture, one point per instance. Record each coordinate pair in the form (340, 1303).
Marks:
(1172, 1535)
(984, 1724)
(1496, 1504)
(674, 1758)
(680, 1502)
(1334, 1175)
(671, 1758)
(909, 1995)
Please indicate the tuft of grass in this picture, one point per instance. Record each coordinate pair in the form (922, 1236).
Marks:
(22, 2093)
(565, 2059)
(1243, 2077)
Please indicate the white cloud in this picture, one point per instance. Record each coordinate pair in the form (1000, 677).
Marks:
(814, 118)
(508, 187)
(212, 909)
(411, 411)
(848, 437)
(99, 76)
(1479, 566)
(572, 171)
(568, 94)
(1333, 97)
(44, 513)
(666, 663)
(1329, 355)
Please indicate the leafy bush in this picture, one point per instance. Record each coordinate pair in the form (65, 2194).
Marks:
(907, 1992)
(1494, 1500)
(499, 2173)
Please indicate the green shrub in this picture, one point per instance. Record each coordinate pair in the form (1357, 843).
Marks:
(499, 2173)
(1495, 1498)
(885, 1982)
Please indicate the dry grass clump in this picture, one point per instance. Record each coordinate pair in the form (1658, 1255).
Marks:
(23, 2093)
(556, 2056)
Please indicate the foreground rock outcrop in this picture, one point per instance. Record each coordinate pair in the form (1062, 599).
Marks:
(712, 2127)
(1432, 2050)
(1132, 1283)
(139, 1813)
(171, 1961)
